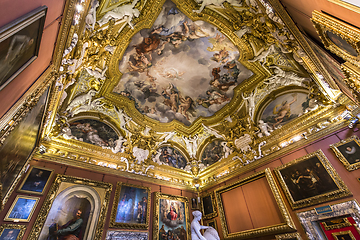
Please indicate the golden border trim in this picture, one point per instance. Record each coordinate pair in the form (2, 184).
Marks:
(342, 191)
(114, 224)
(340, 156)
(27, 175)
(346, 223)
(288, 236)
(14, 226)
(263, 231)
(7, 218)
(45, 209)
(341, 233)
(346, 5)
(156, 217)
(213, 202)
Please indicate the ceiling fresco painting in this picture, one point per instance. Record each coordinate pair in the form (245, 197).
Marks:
(171, 157)
(285, 108)
(193, 91)
(180, 69)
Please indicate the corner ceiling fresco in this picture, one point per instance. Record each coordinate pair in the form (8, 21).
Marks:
(169, 89)
(180, 69)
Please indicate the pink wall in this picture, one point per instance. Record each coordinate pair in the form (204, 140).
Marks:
(13, 9)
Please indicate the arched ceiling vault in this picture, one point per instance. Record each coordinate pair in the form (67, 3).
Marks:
(185, 92)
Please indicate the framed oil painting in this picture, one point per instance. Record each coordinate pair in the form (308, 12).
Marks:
(12, 231)
(310, 180)
(22, 209)
(75, 208)
(212, 153)
(348, 152)
(339, 37)
(131, 208)
(208, 206)
(126, 235)
(171, 218)
(170, 156)
(194, 203)
(288, 236)
(20, 43)
(343, 235)
(18, 146)
(36, 180)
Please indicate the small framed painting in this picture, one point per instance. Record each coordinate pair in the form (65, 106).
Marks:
(36, 180)
(212, 224)
(22, 209)
(344, 235)
(348, 152)
(208, 204)
(12, 231)
(194, 203)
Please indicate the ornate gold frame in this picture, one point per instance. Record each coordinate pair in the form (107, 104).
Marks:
(14, 226)
(288, 236)
(115, 207)
(156, 217)
(342, 191)
(263, 231)
(213, 202)
(324, 23)
(53, 192)
(340, 156)
(7, 218)
(341, 233)
(346, 223)
(27, 175)
(346, 5)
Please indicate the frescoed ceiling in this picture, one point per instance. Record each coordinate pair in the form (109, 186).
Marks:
(183, 91)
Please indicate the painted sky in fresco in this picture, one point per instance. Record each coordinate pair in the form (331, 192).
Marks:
(180, 69)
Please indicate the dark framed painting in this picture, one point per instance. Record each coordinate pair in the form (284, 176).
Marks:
(74, 207)
(343, 235)
(126, 235)
(171, 218)
(212, 224)
(348, 152)
(194, 203)
(20, 43)
(12, 231)
(36, 180)
(22, 209)
(18, 146)
(310, 180)
(208, 205)
(131, 208)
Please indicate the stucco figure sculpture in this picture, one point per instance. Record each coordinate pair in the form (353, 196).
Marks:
(210, 233)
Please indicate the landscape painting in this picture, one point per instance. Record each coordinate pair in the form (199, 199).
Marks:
(284, 109)
(165, 66)
(94, 132)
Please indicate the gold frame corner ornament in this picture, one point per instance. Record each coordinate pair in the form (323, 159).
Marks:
(288, 224)
(341, 192)
(115, 224)
(341, 157)
(156, 215)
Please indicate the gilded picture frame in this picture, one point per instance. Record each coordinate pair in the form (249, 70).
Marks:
(338, 223)
(208, 206)
(36, 180)
(343, 235)
(339, 37)
(289, 236)
(22, 209)
(310, 180)
(288, 224)
(5, 231)
(194, 204)
(127, 197)
(162, 200)
(348, 152)
(129, 235)
(69, 193)
(20, 44)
